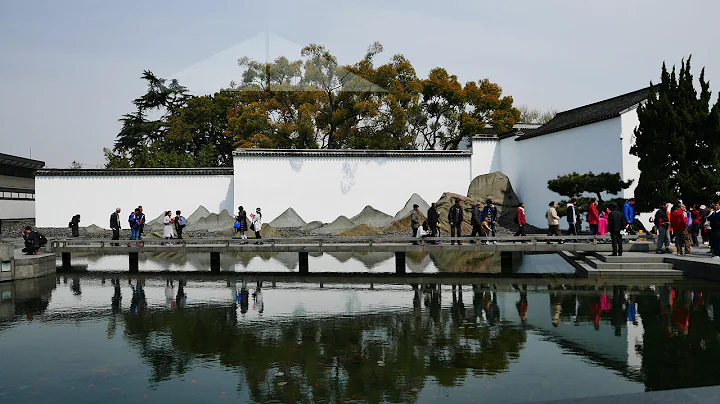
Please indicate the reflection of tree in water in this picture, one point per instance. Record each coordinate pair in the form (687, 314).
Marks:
(373, 357)
(672, 359)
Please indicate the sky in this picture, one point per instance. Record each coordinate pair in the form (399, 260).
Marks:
(70, 69)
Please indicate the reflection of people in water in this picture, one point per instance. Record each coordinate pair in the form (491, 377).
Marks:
(617, 312)
(169, 294)
(181, 297)
(681, 312)
(595, 311)
(631, 309)
(457, 310)
(434, 297)
(75, 286)
(555, 308)
(138, 304)
(117, 296)
(258, 299)
(242, 296)
(522, 305)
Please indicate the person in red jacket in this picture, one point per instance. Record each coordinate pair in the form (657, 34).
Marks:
(592, 216)
(520, 220)
(678, 220)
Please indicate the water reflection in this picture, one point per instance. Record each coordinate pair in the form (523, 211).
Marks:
(477, 262)
(301, 342)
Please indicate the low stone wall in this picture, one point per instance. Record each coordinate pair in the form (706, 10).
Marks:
(24, 266)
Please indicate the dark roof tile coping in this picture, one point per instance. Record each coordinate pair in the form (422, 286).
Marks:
(350, 153)
(113, 172)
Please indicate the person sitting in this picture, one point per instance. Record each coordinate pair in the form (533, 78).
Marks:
(424, 230)
(32, 241)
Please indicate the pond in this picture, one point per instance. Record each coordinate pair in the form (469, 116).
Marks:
(118, 339)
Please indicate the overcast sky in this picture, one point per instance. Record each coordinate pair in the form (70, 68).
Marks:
(69, 69)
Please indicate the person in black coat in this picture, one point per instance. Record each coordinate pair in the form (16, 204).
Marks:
(433, 218)
(32, 241)
(75, 225)
(616, 224)
(455, 217)
(115, 224)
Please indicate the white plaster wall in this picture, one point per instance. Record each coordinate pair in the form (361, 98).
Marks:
(17, 209)
(630, 170)
(483, 159)
(531, 163)
(323, 188)
(58, 198)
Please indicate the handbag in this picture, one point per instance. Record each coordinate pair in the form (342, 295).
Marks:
(236, 225)
(252, 226)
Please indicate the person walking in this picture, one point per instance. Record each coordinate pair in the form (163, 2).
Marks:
(141, 221)
(520, 220)
(704, 227)
(455, 217)
(241, 225)
(75, 225)
(553, 222)
(180, 224)
(696, 224)
(629, 214)
(572, 218)
(256, 225)
(476, 221)
(134, 222)
(433, 218)
(593, 217)
(678, 220)
(617, 222)
(415, 222)
(490, 214)
(714, 233)
(662, 224)
(115, 225)
(168, 227)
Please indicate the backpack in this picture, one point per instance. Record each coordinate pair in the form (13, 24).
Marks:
(43, 239)
(183, 223)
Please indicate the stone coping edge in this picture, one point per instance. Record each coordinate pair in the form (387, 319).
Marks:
(349, 153)
(122, 172)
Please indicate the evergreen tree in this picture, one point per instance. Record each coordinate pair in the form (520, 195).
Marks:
(677, 141)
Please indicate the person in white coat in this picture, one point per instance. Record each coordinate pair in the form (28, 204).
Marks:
(168, 227)
(257, 223)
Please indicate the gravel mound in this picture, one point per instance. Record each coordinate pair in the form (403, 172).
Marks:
(372, 217)
(415, 199)
(289, 218)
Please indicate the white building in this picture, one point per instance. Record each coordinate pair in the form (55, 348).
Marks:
(17, 188)
(324, 184)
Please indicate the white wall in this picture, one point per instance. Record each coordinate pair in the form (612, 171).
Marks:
(17, 209)
(630, 170)
(483, 158)
(531, 163)
(58, 198)
(325, 187)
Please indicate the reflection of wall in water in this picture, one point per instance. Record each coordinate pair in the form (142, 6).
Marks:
(27, 297)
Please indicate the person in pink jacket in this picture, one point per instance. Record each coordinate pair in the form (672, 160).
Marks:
(603, 222)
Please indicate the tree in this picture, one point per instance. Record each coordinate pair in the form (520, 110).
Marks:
(677, 141)
(535, 115)
(75, 165)
(574, 185)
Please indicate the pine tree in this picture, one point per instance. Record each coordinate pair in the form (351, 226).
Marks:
(677, 141)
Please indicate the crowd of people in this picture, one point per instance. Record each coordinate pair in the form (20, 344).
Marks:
(673, 223)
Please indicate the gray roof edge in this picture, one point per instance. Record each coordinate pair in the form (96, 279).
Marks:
(113, 172)
(350, 153)
(17, 161)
